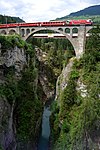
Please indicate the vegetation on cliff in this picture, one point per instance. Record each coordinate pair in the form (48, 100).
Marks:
(75, 122)
(22, 92)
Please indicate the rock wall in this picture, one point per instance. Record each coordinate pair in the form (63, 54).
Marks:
(13, 57)
(10, 58)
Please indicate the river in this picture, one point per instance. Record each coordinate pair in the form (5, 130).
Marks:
(45, 132)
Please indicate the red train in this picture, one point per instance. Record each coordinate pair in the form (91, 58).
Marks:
(51, 23)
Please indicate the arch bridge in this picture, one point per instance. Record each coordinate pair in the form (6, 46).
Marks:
(78, 42)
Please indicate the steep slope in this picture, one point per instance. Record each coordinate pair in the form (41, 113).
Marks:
(75, 122)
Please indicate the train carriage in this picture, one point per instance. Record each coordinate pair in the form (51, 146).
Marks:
(50, 23)
(53, 23)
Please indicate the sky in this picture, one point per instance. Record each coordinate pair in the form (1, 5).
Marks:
(43, 10)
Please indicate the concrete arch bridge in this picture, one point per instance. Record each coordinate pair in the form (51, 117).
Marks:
(78, 41)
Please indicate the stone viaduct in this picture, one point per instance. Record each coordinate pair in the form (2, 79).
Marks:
(78, 42)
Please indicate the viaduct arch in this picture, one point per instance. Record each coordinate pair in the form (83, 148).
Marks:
(78, 42)
(57, 30)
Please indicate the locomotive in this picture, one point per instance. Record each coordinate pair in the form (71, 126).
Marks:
(80, 22)
(50, 23)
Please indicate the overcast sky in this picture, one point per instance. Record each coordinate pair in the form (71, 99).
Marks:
(42, 10)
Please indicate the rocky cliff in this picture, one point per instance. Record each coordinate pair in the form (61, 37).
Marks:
(16, 58)
(17, 106)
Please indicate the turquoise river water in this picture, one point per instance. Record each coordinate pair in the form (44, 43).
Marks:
(45, 133)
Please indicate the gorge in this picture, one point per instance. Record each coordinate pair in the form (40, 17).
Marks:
(31, 75)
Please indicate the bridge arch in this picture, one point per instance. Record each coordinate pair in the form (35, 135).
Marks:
(22, 32)
(3, 32)
(57, 31)
(32, 29)
(67, 30)
(61, 29)
(12, 32)
(89, 28)
(27, 31)
(75, 30)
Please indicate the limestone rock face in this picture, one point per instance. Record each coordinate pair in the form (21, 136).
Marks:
(9, 58)
(81, 88)
(7, 129)
(14, 57)
(63, 78)
(4, 118)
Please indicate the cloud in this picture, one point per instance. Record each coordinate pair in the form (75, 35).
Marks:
(42, 10)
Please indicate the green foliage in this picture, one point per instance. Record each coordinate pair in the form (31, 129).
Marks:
(5, 42)
(54, 122)
(74, 74)
(91, 58)
(68, 95)
(8, 42)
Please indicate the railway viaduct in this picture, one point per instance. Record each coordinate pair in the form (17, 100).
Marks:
(78, 42)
